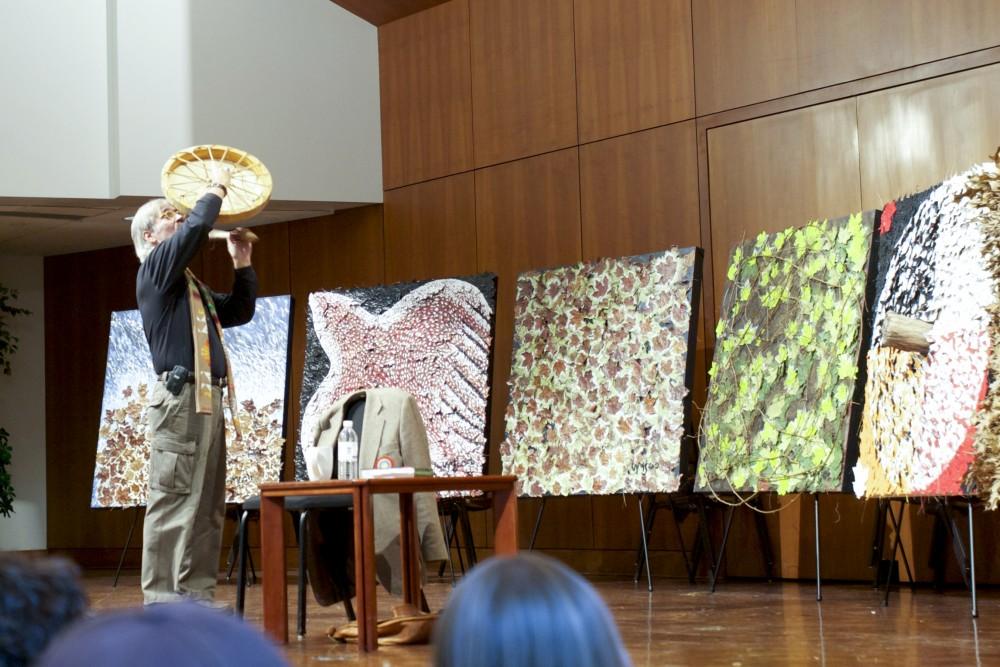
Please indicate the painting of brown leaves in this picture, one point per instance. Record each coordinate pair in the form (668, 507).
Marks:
(600, 377)
(258, 352)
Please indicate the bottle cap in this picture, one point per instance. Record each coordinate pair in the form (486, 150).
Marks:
(348, 423)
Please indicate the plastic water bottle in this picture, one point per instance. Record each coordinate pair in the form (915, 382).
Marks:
(347, 452)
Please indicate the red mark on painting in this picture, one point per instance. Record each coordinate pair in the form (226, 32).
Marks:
(885, 223)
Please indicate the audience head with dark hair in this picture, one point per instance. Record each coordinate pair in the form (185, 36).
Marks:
(38, 597)
(526, 611)
(163, 635)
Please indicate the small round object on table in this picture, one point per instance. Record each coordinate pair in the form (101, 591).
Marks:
(187, 174)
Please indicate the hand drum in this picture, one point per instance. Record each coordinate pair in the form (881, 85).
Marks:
(188, 172)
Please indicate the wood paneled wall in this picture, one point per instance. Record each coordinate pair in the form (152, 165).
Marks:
(756, 50)
(523, 77)
(633, 64)
(614, 127)
(520, 134)
(780, 171)
(426, 114)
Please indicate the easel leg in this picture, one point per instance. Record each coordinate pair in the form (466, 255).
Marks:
(677, 519)
(722, 549)
(639, 562)
(972, 564)
(128, 541)
(764, 538)
(645, 547)
(642, 553)
(897, 524)
(878, 540)
(957, 543)
(538, 522)
(705, 546)
(943, 529)
(895, 550)
(819, 589)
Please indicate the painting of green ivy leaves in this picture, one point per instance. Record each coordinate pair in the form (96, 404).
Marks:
(786, 359)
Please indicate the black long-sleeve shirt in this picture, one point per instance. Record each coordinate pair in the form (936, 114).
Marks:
(162, 293)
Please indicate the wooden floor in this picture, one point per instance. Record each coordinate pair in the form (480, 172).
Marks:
(744, 623)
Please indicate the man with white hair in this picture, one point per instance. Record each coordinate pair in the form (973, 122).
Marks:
(183, 321)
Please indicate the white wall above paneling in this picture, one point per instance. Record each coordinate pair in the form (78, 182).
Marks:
(296, 84)
(57, 111)
(155, 111)
(102, 92)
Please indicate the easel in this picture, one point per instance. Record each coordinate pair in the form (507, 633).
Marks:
(945, 528)
(671, 500)
(688, 456)
(763, 539)
(680, 506)
(128, 542)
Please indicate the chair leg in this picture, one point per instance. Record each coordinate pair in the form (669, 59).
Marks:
(455, 522)
(445, 526)
(470, 543)
(231, 558)
(424, 607)
(303, 536)
(349, 610)
(253, 570)
(241, 576)
(450, 537)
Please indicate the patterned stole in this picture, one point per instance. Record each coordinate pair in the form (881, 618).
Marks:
(199, 297)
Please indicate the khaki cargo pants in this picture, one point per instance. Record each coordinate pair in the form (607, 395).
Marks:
(182, 533)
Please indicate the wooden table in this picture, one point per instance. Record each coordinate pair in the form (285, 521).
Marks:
(272, 502)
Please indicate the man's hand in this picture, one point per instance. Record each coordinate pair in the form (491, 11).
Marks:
(239, 249)
(220, 174)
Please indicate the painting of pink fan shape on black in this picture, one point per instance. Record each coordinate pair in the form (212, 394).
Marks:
(431, 339)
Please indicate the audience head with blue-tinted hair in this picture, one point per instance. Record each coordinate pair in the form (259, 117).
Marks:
(38, 598)
(526, 611)
(163, 635)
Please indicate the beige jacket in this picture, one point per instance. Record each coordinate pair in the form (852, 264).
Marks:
(392, 427)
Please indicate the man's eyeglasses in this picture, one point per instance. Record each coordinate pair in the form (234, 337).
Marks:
(170, 214)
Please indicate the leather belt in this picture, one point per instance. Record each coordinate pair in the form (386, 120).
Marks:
(216, 382)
